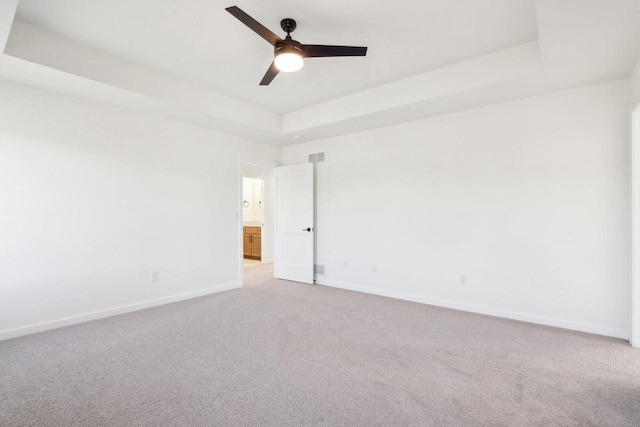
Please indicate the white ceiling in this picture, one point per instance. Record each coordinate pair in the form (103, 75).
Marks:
(192, 61)
(200, 42)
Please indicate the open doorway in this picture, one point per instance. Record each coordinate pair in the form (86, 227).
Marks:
(635, 227)
(257, 221)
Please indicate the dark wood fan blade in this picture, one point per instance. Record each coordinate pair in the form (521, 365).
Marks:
(257, 27)
(271, 74)
(321, 51)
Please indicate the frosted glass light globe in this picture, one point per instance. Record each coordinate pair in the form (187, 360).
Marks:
(289, 62)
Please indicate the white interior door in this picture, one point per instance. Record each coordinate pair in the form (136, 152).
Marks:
(295, 228)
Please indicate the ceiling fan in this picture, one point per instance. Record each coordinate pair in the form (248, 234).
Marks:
(289, 54)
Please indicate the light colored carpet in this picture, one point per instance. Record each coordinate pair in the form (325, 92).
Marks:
(257, 275)
(287, 354)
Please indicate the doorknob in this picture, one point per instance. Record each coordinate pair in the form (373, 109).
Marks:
(306, 229)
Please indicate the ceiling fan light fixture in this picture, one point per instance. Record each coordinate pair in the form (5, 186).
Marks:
(289, 59)
(289, 54)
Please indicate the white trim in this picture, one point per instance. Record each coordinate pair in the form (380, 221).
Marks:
(45, 326)
(635, 228)
(541, 320)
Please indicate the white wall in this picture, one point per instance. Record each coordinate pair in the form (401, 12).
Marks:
(93, 198)
(529, 200)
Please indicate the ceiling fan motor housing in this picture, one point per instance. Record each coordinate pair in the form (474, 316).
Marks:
(289, 45)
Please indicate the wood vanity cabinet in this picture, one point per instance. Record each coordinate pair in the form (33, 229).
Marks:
(252, 242)
(246, 244)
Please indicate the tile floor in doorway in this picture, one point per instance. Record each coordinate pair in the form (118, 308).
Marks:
(250, 262)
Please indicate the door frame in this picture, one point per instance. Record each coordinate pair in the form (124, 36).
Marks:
(634, 336)
(239, 213)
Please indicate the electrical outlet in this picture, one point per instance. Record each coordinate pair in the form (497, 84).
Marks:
(155, 276)
(374, 268)
(463, 280)
(345, 265)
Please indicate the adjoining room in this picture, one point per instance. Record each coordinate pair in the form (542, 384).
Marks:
(258, 222)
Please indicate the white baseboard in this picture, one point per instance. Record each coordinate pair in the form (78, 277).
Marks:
(540, 320)
(45, 326)
(268, 261)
